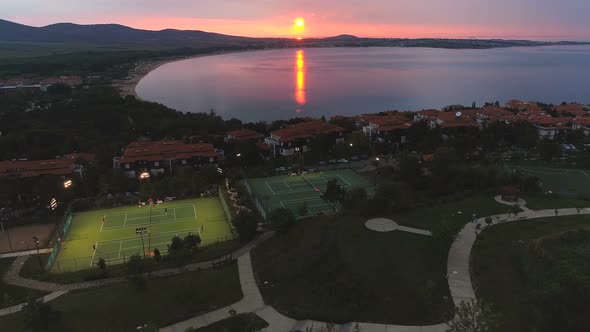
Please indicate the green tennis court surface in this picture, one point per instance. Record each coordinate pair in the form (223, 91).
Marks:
(116, 238)
(562, 181)
(293, 192)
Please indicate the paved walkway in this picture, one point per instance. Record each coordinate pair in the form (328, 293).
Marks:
(19, 307)
(459, 280)
(26, 253)
(12, 276)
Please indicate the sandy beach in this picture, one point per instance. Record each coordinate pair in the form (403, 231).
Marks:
(143, 68)
(128, 86)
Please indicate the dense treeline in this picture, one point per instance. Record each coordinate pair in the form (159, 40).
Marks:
(93, 62)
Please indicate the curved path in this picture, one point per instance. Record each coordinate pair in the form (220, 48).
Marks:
(459, 279)
(460, 285)
(12, 276)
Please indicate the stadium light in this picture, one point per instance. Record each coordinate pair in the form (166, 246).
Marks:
(377, 158)
(219, 170)
(53, 204)
(239, 155)
(67, 184)
(351, 144)
(144, 175)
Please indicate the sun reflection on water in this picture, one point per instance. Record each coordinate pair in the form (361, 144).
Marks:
(300, 78)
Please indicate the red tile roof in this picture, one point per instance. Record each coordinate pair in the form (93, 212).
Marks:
(163, 150)
(243, 134)
(31, 168)
(306, 129)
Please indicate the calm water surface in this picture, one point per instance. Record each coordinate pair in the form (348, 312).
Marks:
(280, 84)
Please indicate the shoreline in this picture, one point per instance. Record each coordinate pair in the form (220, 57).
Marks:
(128, 86)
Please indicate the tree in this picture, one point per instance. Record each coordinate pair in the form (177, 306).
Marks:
(102, 265)
(246, 225)
(157, 255)
(473, 317)
(192, 242)
(488, 220)
(515, 209)
(282, 219)
(334, 192)
(40, 316)
(355, 199)
(136, 265)
(176, 245)
(409, 168)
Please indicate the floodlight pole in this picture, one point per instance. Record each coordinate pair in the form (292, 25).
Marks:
(149, 241)
(38, 254)
(140, 231)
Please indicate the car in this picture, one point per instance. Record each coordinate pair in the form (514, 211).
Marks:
(364, 157)
(343, 161)
(332, 161)
(312, 170)
(322, 163)
(354, 158)
(280, 169)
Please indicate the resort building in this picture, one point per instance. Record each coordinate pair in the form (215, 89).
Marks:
(294, 139)
(157, 157)
(65, 166)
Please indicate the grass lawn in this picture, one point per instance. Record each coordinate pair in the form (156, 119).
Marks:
(116, 239)
(456, 213)
(239, 323)
(123, 307)
(541, 201)
(498, 269)
(12, 295)
(332, 268)
(31, 267)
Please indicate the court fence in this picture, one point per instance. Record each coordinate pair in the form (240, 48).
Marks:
(116, 258)
(62, 229)
(252, 193)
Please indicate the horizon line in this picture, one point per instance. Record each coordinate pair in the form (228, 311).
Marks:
(513, 38)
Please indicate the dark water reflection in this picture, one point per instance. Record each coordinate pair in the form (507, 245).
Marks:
(279, 84)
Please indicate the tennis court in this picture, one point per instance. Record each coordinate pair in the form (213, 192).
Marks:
(294, 192)
(116, 234)
(562, 181)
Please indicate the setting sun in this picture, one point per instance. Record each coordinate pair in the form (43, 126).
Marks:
(300, 23)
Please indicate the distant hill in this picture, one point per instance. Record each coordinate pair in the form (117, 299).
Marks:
(68, 32)
(115, 33)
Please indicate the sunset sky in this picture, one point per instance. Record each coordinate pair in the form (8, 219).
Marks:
(531, 19)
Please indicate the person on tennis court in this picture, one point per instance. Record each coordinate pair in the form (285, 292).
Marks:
(166, 210)
(94, 247)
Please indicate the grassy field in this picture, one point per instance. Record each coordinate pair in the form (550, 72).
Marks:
(12, 295)
(115, 239)
(332, 268)
(292, 192)
(238, 323)
(123, 307)
(456, 214)
(498, 270)
(562, 181)
(542, 201)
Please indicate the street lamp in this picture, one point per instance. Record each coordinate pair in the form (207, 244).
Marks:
(36, 240)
